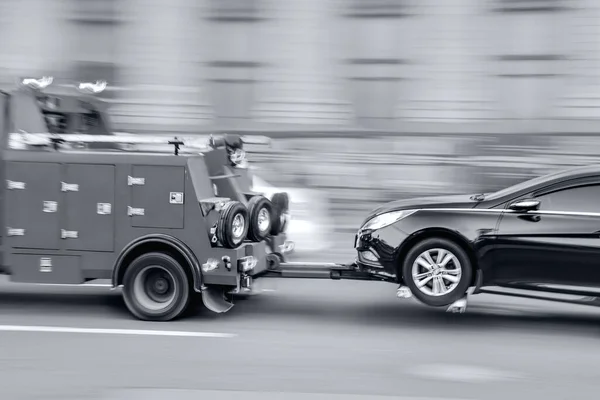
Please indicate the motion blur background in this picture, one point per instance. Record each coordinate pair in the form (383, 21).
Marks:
(370, 100)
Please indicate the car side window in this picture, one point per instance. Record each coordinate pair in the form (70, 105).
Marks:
(577, 199)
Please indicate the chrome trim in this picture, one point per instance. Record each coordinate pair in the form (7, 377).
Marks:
(374, 252)
(572, 213)
(502, 210)
(525, 203)
(497, 210)
(368, 263)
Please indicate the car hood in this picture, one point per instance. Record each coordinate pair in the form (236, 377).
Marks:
(454, 201)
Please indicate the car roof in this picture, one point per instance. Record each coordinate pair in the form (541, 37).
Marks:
(576, 172)
(545, 181)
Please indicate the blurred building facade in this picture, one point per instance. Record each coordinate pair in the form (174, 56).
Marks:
(410, 96)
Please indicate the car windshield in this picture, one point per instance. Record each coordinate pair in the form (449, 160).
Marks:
(523, 185)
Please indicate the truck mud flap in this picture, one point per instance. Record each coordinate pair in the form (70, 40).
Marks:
(214, 299)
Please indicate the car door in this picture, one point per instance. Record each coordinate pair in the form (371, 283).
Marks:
(556, 242)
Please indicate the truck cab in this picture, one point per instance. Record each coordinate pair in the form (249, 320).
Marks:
(81, 202)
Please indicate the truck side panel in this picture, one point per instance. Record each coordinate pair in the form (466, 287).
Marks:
(48, 269)
(157, 197)
(32, 205)
(4, 128)
(89, 193)
(99, 264)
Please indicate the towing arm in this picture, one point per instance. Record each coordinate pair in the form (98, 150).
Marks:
(309, 270)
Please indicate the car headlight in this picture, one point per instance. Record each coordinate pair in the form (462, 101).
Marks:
(383, 220)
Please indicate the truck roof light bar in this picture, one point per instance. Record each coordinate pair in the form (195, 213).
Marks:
(42, 83)
(90, 87)
(37, 84)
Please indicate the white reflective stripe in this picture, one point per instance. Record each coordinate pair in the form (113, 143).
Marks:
(108, 331)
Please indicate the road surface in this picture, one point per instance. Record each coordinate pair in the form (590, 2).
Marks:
(298, 340)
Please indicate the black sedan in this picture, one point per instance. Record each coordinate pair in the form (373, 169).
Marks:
(541, 235)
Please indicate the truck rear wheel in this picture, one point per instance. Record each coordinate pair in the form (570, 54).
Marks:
(156, 287)
(261, 212)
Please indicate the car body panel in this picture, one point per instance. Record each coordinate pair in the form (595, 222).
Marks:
(475, 228)
(532, 247)
(510, 248)
(460, 201)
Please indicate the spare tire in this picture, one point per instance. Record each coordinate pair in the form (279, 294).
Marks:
(281, 203)
(232, 226)
(261, 218)
(234, 141)
(227, 140)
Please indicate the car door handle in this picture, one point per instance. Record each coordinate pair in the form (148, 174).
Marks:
(530, 217)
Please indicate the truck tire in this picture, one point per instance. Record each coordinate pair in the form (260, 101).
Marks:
(261, 218)
(232, 226)
(449, 278)
(156, 287)
(281, 206)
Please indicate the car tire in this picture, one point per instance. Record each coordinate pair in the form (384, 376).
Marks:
(456, 276)
(257, 206)
(156, 287)
(226, 226)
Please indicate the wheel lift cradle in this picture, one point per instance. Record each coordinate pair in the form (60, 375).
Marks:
(72, 216)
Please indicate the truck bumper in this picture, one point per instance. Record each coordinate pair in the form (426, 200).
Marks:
(230, 263)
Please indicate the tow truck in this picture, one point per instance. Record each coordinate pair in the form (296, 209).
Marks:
(83, 203)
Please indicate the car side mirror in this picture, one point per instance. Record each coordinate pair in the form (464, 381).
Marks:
(525, 205)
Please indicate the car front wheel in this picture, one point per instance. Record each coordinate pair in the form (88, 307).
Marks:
(437, 271)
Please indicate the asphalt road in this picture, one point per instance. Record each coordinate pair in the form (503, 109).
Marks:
(298, 340)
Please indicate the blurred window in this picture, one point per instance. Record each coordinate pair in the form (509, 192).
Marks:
(92, 71)
(94, 42)
(529, 6)
(524, 185)
(577, 199)
(234, 10)
(377, 8)
(95, 11)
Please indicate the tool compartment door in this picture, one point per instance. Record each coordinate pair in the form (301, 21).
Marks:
(48, 269)
(157, 197)
(32, 212)
(89, 192)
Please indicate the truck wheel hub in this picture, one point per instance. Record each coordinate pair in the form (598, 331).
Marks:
(161, 286)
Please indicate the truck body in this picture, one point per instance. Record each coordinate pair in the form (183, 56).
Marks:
(78, 207)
